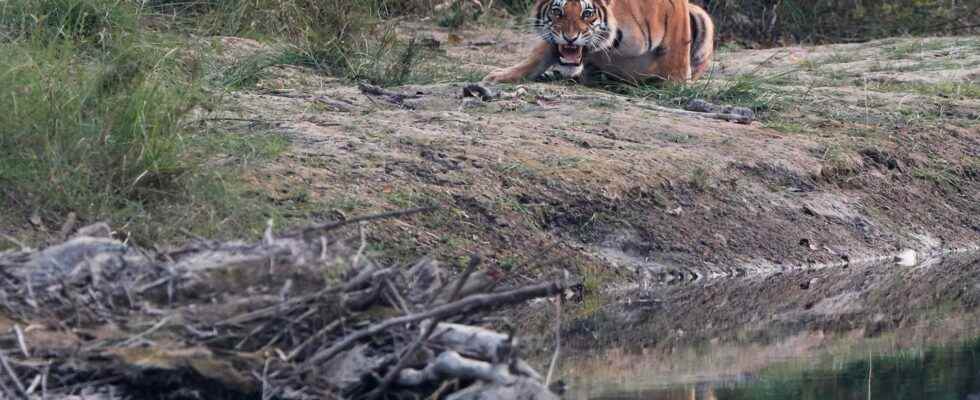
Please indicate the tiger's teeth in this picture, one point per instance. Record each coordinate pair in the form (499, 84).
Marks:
(570, 54)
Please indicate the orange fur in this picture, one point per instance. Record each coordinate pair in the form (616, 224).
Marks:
(664, 39)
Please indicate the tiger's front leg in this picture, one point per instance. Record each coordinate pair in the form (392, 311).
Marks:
(542, 57)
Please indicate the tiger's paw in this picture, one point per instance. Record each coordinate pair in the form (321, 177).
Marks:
(502, 75)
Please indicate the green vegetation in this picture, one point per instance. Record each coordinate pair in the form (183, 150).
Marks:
(99, 97)
(338, 37)
(759, 93)
(517, 7)
(768, 22)
(92, 109)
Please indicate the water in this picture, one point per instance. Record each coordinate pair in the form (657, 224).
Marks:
(935, 358)
(943, 372)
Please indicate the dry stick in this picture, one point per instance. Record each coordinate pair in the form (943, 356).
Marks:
(403, 360)
(554, 357)
(44, 381)
(265, 380)
(331, 326)
(462, 306)
(4, 389)
(399, 300)
(23, 247)
(21, 342)
(13, 376)
(34, 384)
(251, 120)
(742, 119)
(160, 324)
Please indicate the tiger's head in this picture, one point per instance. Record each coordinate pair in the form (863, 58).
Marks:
(575, 27)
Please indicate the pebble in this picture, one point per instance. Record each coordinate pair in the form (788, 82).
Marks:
(907, 258)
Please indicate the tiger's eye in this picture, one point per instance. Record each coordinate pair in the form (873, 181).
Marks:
(556, 12)
(587, 14)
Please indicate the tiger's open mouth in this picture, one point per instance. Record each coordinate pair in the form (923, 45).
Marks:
(570, 55)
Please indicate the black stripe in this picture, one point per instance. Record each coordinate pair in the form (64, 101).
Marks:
(601, 9)
(649, 34)
(659, 51)
(537, 12)
(697, 37)
(619, 38)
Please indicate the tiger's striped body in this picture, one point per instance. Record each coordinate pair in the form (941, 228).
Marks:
(630, 40)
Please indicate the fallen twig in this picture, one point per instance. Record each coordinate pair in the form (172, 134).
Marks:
(23, 247)
(21, 390)
(319, 334)
(731, 117)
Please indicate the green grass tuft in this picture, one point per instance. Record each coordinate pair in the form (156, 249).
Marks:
(90, 134)
(96, 123)
(755, 92)
(87, 21)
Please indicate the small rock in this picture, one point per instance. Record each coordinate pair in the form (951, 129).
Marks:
(809, 284)
(907, 258)
(479, 91)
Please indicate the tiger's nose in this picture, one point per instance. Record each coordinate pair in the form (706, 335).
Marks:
(568, 39)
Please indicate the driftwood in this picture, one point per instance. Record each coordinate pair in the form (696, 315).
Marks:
(299, 315)
(451, 365)
(472, 341)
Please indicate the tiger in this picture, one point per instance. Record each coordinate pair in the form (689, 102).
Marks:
(630, 40)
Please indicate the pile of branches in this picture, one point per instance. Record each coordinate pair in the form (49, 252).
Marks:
(298, 315)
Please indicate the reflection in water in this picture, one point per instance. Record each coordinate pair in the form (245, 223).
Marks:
(945, 372)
